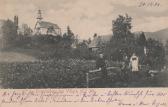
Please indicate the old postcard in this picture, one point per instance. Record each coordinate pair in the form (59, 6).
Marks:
(75, 52)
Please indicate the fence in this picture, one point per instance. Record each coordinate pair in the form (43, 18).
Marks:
(111, 70)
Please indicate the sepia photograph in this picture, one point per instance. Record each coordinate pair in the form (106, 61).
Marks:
(83, 44)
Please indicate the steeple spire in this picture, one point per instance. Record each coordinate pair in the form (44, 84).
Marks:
(39, 15)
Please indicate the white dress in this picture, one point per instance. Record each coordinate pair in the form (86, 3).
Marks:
(134, 63)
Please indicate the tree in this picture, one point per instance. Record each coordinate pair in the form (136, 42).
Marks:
(9, 30)
(166, 48)
(142, 39)
(122, 42)
(95, 35)
(122, 27)
(68, 38)
(26, 30)
(156, 54)
(82, 50)
(89, 40)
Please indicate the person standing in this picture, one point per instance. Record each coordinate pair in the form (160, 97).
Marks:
(101, 64)
(125, 69)
(134, 63)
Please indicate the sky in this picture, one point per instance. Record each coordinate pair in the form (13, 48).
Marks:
(86, 17)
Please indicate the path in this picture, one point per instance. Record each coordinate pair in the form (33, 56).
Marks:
(15, 57)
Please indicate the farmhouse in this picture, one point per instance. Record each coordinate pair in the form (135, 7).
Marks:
(45, 27)
(97, 40)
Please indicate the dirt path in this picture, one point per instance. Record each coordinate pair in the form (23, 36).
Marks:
(15, 57)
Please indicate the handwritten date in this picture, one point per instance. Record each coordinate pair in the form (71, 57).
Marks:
(148, 3)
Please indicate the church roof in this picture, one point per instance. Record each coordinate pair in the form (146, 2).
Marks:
(44, 24)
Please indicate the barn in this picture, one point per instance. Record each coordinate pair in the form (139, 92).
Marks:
(94, 45)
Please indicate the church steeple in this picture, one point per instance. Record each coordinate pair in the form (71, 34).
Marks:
(39, 15)
(16, 21)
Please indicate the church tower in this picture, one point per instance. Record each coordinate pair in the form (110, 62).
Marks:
(16, 21)
(44, 27)
(39, 15)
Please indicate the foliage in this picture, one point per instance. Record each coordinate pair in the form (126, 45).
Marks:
(122, 42)
(41, 74)
(68, 73)
(68, 38)
(82, 51)
(122, 27)
(9, 30)
(26, 30)
(156, 54)
(142, 39)
(166, 47)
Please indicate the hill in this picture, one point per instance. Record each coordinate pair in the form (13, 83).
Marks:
(161, 35)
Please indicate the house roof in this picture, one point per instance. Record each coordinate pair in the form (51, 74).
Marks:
(44, 24)
(96, 40)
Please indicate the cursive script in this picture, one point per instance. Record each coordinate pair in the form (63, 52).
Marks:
(119, 97)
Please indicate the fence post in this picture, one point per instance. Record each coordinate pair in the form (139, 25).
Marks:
(87, 80)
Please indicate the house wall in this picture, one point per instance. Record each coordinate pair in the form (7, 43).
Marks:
(43, 31)
(39, 30)
(58, 31)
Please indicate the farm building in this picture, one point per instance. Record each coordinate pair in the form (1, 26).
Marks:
(45, 27)
(97, 40)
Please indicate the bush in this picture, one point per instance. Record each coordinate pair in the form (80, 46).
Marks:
(59, 73)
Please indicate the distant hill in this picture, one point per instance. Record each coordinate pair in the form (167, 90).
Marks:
(101, 38)
(161, 35)
(106, 38)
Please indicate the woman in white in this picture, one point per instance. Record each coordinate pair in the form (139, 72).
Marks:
(134, 61)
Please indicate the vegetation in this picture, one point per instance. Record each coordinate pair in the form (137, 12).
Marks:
(68, 73)
(9, 30)
(64, 61)
(41, 74)
(125, 43)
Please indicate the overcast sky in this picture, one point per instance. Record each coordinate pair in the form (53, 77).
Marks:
(86, 17)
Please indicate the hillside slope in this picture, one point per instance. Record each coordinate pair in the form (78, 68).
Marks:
(161, 35)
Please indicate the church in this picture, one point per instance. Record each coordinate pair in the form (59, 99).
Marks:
(45, 27)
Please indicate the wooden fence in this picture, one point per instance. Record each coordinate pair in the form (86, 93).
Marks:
(110, 70)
